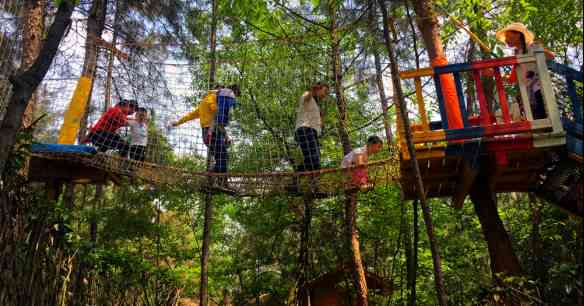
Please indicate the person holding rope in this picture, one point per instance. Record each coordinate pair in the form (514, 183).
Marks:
(356, 162)
(205, 111)
(104, 134)
(309, 125)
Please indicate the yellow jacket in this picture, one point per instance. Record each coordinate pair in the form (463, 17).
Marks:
(205, 111)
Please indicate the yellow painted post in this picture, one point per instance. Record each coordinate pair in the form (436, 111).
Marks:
(75, 112)
(421, 106)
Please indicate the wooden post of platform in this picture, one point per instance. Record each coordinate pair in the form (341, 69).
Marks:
(54, 188)
(547, 91)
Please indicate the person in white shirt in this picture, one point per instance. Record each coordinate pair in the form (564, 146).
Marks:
(138, 134)
(356, 161)
(309, 126)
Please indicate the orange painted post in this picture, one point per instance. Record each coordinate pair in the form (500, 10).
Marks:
(451, 104)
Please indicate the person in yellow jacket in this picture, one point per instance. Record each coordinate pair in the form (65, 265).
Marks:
(205, 111)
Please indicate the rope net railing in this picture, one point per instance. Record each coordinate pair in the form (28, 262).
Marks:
(257, 150)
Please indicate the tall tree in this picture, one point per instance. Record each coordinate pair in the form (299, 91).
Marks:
(95, 26)
(208, 197)
(503, 258)
(34, 25)
(430, 29)
(400, 102)
(352, 237)
(26, 81)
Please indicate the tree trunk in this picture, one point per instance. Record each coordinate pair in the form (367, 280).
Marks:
(352, 237)
(379, 76)
(208, 223)
(539, 268)
(34, 25)
(503, 259)
(25, 82)
(414, 267)
(213, 45)
(430, 29)
(350, 196)
(399, 99)
(95, 26)
(303, 297)
(408, 248)
(338, 84)
(110, 65)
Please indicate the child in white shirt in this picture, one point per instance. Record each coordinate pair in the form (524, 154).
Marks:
(138, 134)
(356, 161)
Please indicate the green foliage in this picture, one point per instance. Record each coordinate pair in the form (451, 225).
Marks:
(148, 238)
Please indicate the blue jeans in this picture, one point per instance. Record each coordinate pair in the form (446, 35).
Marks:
(307, 139)
(218, 148)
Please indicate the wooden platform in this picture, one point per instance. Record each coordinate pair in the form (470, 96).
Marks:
(442, 176)
(49, 170)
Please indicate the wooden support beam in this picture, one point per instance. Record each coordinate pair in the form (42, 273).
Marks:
(467, 176)
(112, 48)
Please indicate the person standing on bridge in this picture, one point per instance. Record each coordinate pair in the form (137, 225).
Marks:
(309, 125)
(139, 134)
(517, 36)
(104, 134)
(205, 111)
(219, 140)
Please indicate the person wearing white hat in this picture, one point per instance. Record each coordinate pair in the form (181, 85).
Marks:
(517, 36)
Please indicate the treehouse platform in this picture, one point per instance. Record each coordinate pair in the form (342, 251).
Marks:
(498, 132)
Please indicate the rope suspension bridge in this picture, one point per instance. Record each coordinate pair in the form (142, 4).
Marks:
(505, 132)
(495, 123)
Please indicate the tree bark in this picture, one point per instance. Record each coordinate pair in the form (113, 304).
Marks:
(539, 267)
(414, 268)
(379, 76)
(304, 257)
(503, 259)
(95, 26)
(338, 83)
(34, 25)
(25, 82)
(208, 223)
(399, 99)
(352, 237)
(213, 45)
(120, 9)
(429, 27)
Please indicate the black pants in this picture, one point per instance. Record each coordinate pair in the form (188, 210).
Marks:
(537, 106)
(307, 139)
(138, 153)
(104, 141)
(218, 148)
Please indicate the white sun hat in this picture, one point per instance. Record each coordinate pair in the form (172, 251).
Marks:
(517, 27)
